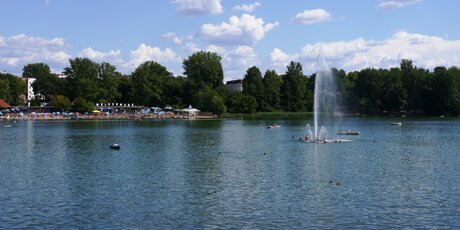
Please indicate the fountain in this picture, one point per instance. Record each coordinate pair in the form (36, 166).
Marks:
(324, 97)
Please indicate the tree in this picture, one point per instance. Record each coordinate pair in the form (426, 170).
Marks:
(293, 90)
(82, 79)
(109, 80)
(208, 99)
(272, 83)
(205, 69)
(148, 81)
(248, 104)
(60, 103)
(48, 85)
(36, 70)
(5, 92)
(253, 85)
(35, 101)
(13, 88)
(82, 105)
(173, 91)
(233, 103)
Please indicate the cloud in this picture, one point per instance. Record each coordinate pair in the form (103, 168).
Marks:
(145, 53)
(393, 4)
(170, 36)
(19, 50)
(280, 58)
(312, 16)
(198, 7)
(47, 2)
(424, 50)
(247, 8)
(245, 30)
(112, 57)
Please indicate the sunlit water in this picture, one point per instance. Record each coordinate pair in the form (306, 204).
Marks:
(229, 174)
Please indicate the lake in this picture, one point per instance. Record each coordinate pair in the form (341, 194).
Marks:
(200, 174)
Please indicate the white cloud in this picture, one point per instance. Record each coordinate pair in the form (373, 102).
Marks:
(425, 51)
(191, 47)
(198, 7)
(247, 7)
(19, 50)
(312, 16)
(47, 2)
(112, 57)
(280, 58)
(245, 30)
(170, 36)
(393, 4)
(148, 53)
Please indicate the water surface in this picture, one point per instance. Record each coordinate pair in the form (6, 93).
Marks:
(229, 174)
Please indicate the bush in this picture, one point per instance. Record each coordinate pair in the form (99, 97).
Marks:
(60, 102)
(82, 105)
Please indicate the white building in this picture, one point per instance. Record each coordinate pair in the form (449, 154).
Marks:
(30, 90)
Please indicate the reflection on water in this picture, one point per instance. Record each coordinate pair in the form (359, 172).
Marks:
(228, 174)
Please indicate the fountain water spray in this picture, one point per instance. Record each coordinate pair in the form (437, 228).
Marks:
(324, 97)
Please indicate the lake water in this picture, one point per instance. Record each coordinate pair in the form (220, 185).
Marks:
(229, 174)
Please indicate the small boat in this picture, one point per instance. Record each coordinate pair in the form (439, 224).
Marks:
(396, 123)
(115, 146)
(274, 126)
(7, 126)
(347, 132)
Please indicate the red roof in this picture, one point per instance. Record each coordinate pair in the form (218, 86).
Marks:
(4, 105)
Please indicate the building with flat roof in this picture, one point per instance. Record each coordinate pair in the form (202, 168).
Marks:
(235, 86)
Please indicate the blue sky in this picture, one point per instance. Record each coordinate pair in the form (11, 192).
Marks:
(353, 34)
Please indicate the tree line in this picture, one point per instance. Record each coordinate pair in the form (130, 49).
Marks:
(406, 88)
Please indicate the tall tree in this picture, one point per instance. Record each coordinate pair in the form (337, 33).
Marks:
(293, 90)
(148, 81)
(253, 85)
(272, 82)
(82, 80)
(13, 88)
(109, 80)
(205, 69)
(36, 70)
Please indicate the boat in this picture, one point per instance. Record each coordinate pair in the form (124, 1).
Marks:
(274, 126)
(396, 123)
(347, 132)
(115, 146)
(7, 126)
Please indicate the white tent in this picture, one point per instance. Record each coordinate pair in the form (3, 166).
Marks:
(190, 111)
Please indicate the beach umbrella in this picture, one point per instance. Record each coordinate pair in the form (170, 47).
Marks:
(96, 111)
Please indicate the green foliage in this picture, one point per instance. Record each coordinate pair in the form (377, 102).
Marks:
(48, 85)
(109, 80)
(62, 103)
(368, 91)
(293, 89)
(205, 69)
(209, 100)
(148, 82)
(233, 103)
(12, 88)
(272, 83)
(253, 86)
(36, 70)
(82, 79)
(35, 101)
(248, 104)
(82, 105)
